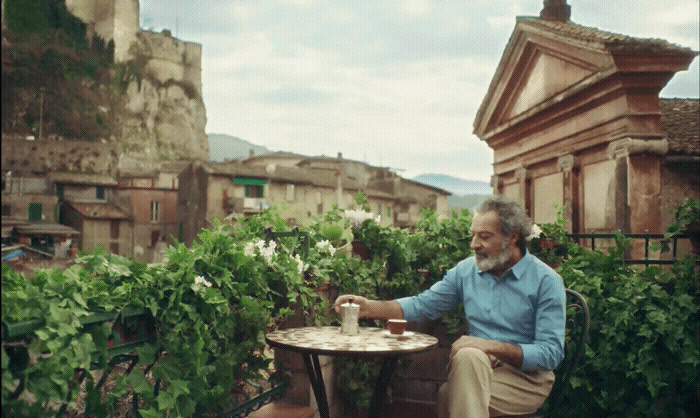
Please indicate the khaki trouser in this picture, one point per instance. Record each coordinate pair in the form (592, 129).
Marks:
(478, 388)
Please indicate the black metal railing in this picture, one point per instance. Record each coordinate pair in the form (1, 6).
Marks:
(647, 237)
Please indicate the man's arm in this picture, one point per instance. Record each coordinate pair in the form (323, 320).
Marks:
(547, 350)
(377, 309)
(505, 352)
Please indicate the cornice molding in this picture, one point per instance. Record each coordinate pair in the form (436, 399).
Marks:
(630, 146)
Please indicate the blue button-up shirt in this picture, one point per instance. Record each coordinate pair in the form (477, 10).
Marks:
(527, 307)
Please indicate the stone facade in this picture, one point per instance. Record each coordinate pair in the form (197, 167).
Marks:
(228, 191)
(574, 118)
(116, 20)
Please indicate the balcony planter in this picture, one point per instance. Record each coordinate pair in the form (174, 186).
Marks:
(17, 330)
(360, 249)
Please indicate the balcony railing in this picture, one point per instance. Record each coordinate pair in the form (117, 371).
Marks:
(647, 237)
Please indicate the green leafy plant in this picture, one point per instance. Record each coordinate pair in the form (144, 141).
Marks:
(549, 242)
(642, 357)
(212, 304)
(100, 282)
(686, 220)
(685, 214)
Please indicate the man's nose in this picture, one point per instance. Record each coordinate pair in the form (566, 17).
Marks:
(475, 244)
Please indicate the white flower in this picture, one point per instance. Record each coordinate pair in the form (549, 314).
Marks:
(249, 249)
(200, 281)
(356, 217)
(301, 266)
(535, 232)
(269, 251)
(265, 249)
(326, 245)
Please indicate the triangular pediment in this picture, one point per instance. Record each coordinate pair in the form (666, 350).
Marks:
(536, 66)
(548, 75)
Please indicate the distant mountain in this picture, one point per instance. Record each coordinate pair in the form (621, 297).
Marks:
(470, 201)
(226, 147)
(455, 185)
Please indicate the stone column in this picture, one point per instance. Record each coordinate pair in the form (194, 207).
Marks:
(569, 165)
(496, 185)
(524, 177)
(640, 163)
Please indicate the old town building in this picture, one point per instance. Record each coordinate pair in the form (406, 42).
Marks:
(574, 118)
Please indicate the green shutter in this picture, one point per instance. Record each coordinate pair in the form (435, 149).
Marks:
(35, 212)
(249, 180)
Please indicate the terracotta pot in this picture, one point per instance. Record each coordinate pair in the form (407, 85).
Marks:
(360, 249)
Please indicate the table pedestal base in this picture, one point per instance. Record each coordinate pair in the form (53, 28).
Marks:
(313, 369)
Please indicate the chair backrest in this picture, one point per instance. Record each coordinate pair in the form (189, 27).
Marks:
(578, 321)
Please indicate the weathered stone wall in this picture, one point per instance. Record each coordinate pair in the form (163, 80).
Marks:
(164, 112)
(116, 20)
(25, 157)
(172, 59)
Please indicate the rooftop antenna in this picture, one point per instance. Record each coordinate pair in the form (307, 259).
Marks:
(177, 24)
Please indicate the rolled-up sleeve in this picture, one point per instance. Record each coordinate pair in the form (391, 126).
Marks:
(547, 349)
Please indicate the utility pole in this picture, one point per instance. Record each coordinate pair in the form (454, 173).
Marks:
(41, 112)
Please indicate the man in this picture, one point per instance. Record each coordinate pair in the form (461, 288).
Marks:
(515, 306)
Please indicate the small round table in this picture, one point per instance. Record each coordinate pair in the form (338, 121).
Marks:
(371, 342)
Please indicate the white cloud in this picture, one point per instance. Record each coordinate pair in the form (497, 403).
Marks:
(298, 3)
(393, 83)
(417, 7)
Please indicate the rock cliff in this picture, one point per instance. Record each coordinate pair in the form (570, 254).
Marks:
(144, 102)
(163, 113)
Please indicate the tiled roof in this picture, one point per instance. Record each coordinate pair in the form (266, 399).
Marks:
(279, 173)
(95, 210)
(611, 41)
(587, 37)
(82, 178)
(46, 228)
(680, 122)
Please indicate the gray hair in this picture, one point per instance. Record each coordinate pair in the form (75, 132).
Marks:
(512, 218)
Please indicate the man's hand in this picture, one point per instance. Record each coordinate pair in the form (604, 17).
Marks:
(359, 300)
(377, 309)
(496, 350)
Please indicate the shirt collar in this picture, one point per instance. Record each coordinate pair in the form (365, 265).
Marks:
(519, 268)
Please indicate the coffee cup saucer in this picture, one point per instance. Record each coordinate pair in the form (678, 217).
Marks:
(389, 334)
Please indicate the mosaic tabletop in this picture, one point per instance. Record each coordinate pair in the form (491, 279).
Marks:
(329, 341)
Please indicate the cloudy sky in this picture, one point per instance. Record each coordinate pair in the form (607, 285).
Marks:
(389, 82)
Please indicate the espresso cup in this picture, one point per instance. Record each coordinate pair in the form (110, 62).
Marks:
(397, 326)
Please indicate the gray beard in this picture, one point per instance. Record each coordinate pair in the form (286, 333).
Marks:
(490, 263)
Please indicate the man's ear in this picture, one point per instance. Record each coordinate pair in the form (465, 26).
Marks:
(513, 239)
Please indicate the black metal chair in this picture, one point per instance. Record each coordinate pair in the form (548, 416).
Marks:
(578, 322)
